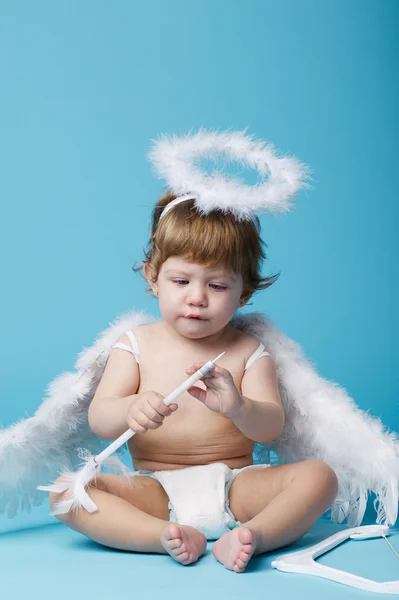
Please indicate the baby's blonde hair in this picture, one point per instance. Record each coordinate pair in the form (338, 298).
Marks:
(213, 239)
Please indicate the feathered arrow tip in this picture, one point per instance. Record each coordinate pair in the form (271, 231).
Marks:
(76, 483)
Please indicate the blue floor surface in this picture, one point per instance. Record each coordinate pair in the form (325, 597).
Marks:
(54, 562)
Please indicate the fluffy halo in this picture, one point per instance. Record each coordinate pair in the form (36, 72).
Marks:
(175, 159)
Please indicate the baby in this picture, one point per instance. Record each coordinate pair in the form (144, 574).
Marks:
(194, 476)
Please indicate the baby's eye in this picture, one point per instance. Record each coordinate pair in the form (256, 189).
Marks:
(214, 286)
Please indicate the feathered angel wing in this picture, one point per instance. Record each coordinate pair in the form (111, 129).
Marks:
(324, 423)
(36, 450)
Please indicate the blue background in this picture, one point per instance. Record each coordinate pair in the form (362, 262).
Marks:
(86, 85)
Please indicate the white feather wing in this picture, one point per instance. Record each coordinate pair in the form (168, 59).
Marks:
(324, 423)
(36, 450)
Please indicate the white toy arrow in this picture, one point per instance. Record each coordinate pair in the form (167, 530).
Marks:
(77, 482)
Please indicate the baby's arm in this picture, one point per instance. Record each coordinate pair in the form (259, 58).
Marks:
(256, 410)
(114, 395)
(261, 417)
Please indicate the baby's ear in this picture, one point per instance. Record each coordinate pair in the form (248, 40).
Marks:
(148, 273)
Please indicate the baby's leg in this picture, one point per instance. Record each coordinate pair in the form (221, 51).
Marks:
(133, 515)
(276, 507)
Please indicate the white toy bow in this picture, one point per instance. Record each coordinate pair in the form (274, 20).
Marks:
(303, 561)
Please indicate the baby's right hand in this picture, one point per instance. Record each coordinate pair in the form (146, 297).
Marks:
(147, 411)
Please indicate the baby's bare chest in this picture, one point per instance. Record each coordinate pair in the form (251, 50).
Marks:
(166, 374)
(163, 368)
(193, 434)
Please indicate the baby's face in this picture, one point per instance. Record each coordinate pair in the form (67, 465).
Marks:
(186, 289)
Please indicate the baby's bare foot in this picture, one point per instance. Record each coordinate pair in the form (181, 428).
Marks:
(235, 548)
(184, 543)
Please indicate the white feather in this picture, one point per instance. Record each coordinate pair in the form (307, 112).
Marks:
(76, 483)
(175, 159)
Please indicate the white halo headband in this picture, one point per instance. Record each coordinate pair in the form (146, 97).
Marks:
(174, 159)
(179, 199)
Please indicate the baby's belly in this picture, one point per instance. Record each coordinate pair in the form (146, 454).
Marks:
(179, 444)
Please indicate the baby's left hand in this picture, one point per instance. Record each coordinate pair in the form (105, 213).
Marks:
(221, 394)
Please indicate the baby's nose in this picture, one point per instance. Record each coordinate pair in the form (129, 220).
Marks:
(197, 296)
(198, 300)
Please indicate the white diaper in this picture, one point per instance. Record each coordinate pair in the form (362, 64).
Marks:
(199, 496)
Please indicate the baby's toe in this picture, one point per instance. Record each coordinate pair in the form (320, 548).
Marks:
(242, 560)
(179, 551)
(172, 532)
(245, 536)
(174, 544)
